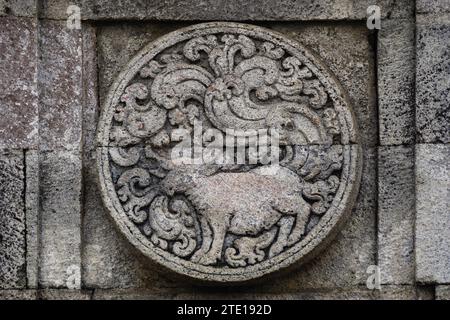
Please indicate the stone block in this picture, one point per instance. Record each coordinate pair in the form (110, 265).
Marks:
(233, 10)
(432, 6)
(396, 201)
(433, 79)
(64, 294)
(12, 221)
(18, 85)
(443, 292)
(60, 185)
(432, 213)
(18, 8)
(32, 216)
(60, 86)
(18, 294)
(396, 72)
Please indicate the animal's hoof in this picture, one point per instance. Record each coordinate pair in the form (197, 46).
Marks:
(274, 250)
(206, 260)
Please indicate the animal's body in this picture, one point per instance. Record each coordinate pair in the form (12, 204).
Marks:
(242, 203)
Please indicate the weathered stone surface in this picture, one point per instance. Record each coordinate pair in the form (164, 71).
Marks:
(432, 6)
(442, 292)
(433, 79)
(60, 185)
(233, 10)
(345, 261)
(396, 72)
(354, 293)
(347, 52)
(64, 294)
(215, 221)
(109, 261)
(396, 201)
(18, 86)
(90, 87)
(18, 294)
(18, 8)
(60, 86)
(32, 216)
(116, 45)
(433, 213)
(12, 221)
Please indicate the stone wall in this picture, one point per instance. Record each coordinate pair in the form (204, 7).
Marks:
(57, 240)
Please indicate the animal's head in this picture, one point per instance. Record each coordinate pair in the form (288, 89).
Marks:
(296, 124)
(185, 177)
(178, 180)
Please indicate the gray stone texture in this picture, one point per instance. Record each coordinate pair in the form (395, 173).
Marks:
(18, 294)
(32, 216)
(60, 187)
(443, 292)
(355, 293)
(396, 68)
(60, 86)
(64, 294)
(432, 6)
(433, 213)
(396, 201)
(233, 10)
(12, 221)
(433, 79)
(347, 52)
(18, 86)
(18, 8)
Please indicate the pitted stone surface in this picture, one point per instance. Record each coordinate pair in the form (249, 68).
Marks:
(60, 86)
(12, 221)
(396, 70)
(432, 79)
(223, 222)
(432, 6)
(396, 200)
(432, 213)
(233, 10)
(18, 8)
(18, 85)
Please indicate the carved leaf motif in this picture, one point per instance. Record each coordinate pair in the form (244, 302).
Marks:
(172, 225)
(135, 192)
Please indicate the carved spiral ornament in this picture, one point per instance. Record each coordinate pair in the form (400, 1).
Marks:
(227, 221)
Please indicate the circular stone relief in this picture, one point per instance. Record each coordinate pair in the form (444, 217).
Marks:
(227, 152)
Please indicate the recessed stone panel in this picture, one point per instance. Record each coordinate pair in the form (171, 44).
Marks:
(235, 214)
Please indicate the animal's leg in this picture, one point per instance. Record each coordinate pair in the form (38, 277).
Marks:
(285, 227)
(219, 228)
(300, 224)
(206, 240)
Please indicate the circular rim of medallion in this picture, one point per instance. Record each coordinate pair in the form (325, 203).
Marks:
(297, 254)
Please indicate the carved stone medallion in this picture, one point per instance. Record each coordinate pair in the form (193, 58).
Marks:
(228, 211)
